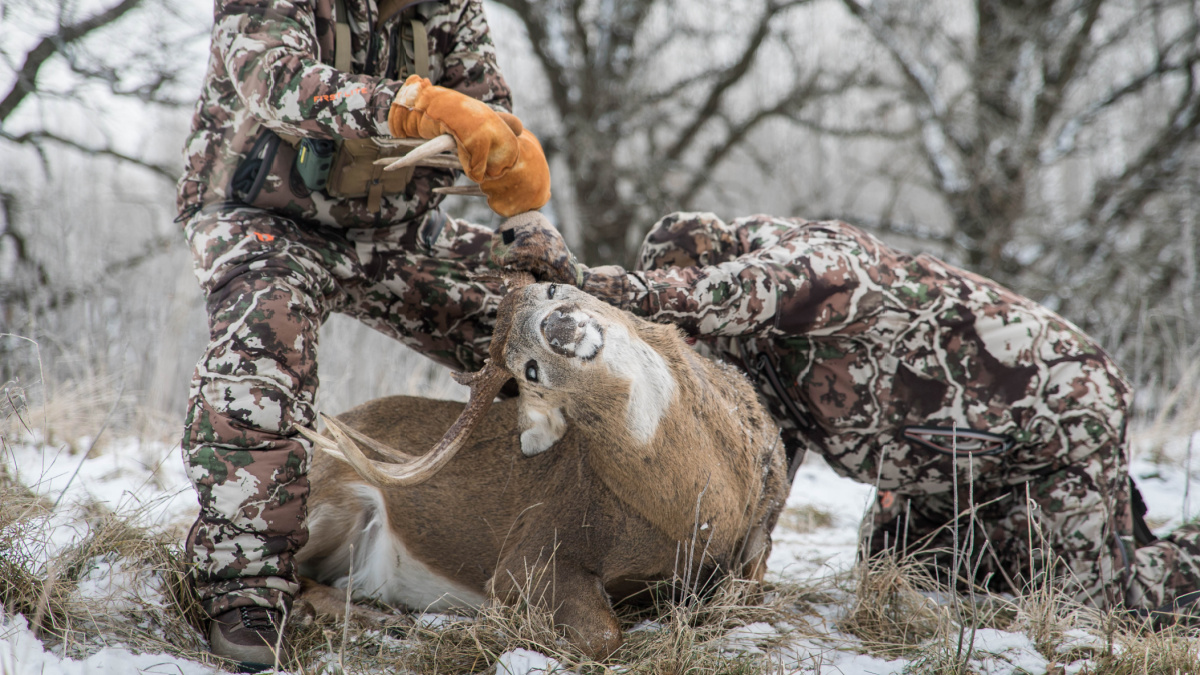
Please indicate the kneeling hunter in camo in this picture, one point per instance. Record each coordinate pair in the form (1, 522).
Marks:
(290, 216)
(937, 385)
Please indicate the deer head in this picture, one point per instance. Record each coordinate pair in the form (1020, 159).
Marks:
(572, 356)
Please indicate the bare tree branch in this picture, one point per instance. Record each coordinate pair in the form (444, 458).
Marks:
(35, 138)
(735, 136)
(1065, 141)
(1056, 76)
(727, 78)
(1116, 200)
(26, 79)
(533, 14)
(938, 137)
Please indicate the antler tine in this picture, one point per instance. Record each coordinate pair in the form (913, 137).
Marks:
(348, 451)
(512, 279)
(425, 151)
(461, 190)
(321, 442)
(407, 469)
(394, 454)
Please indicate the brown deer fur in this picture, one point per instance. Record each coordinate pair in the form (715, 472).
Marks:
(568, 494)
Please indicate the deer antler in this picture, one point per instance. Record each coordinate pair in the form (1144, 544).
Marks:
(406, 469)
(424, 154)
(437, 153)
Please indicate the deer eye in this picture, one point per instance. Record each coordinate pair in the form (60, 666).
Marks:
(531, 371)
(551, 291)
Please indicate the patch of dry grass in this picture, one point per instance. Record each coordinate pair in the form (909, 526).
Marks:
(683, 636)
(895, 611)
(1176, 418)
(805, 518)
(65, 595)
(77, 409)
(1171, 651)
(57, 568)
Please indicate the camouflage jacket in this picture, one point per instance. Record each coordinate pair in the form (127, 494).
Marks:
(269, 68)
(884, 362)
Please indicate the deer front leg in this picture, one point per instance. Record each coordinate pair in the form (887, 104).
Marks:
(331, 602)
(576, 597)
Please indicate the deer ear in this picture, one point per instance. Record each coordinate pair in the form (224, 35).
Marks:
(541, 426)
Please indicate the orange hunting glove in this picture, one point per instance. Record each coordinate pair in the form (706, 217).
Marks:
(496, 151)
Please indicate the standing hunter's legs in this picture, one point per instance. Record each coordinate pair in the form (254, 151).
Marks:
(267, 294)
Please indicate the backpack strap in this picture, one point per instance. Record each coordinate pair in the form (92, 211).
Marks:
(341, 37)
(420, 48)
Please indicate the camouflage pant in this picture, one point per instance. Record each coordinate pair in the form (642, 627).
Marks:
(270, 284)
(1071, 528)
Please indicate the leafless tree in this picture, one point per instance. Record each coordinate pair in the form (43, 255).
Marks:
(57, 57)
(76, 80)
(1061, 137)
(652, 96)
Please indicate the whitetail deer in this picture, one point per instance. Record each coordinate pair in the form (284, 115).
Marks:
(626, 459)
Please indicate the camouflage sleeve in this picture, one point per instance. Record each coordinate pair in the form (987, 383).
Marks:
(790, 280)
(269, 49)
(740, 297)
(470, 65)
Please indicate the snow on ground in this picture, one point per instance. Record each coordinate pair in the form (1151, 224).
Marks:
(148, 481)
(21, 653)
(826, 549)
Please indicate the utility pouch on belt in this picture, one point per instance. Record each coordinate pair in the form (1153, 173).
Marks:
(269, 177)
(354, 174)
(250, 176)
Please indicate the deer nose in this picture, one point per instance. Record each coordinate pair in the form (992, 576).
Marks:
(562, 331)
(570, 332)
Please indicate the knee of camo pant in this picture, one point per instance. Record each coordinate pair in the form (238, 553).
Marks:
(260, 369)
(438, 307)
(687, 240)
(1076, 525)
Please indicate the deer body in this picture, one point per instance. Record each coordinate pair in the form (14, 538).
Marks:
(626, 459)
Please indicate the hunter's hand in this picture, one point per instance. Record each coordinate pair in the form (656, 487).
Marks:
(609, 283)
(495, 149)
(529, 242)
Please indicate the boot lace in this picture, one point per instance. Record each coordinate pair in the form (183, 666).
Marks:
(259, 619)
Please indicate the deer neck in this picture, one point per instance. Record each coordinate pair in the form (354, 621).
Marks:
(643, 436)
